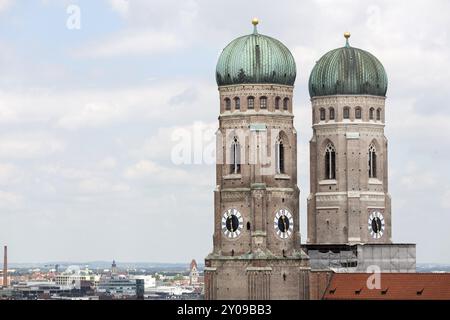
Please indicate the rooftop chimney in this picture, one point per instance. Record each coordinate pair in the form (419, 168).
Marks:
(5, 267)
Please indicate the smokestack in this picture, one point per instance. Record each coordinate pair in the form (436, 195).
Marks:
(5, 267)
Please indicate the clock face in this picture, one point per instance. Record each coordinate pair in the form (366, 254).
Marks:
(376, 224)
(283, 223)
(232, 223)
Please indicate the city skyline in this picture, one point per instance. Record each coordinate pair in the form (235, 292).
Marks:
(87, 119)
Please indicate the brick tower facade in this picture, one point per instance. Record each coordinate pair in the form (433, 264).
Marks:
(256, 242)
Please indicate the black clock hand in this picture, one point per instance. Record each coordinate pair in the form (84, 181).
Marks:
(284, 223)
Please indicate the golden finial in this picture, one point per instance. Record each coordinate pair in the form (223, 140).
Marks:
(255, 22)
(346, 36)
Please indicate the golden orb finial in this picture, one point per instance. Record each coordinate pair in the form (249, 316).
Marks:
(346, 36)
(255, 21)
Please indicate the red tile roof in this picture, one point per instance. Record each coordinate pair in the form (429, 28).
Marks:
(397, 286)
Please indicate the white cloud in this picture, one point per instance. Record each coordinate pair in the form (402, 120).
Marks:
(108, 163)
(145, 168)
(10, 200)
(445, 200)
(9, 173)
(65, 172)
(101, 186)
(5, 4)
(89, 108)
(133, 42)
(404, 121)
(29, 145)
(197, 142)
(163, 176)
(92, 115)
(418, 178)
(120, 6)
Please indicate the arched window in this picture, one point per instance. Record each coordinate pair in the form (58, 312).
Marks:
(331, 110)
(277, 103)
(286, 104)
(235, 167)
(372, 161)
(263, 103)
(227, 104)
(237, 103)
(330, 162)
(279, 156)
(346, 113)
(378, 114)
(371, 113)
(250, 103)
(358, 112)
(322, 114)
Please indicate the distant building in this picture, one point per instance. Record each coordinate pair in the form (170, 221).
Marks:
(119, 286)
(114, 267)
(193, 274)
(170, 292)
(149, 281)
(74, 276)
(39, 289)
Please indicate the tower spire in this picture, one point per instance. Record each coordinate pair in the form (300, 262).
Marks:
(255, 22)
(346, 36)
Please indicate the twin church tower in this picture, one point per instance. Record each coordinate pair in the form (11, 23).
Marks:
(257, 252)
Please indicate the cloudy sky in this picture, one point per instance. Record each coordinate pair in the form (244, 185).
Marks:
(90, 111)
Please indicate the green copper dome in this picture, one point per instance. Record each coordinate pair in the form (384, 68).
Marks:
(348, 70)
(255, 58)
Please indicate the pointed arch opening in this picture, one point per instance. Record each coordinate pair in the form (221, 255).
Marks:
(263, 103)
(358, 113)
(286, 104)
(279, 155)
(251, 103)
(322, 114)
(372, 161)
(330, 162)
(277, 103)
(237, 103)
(331, 112)
(227, 104)
(379, 114)
(235, 166)
(346, 113)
